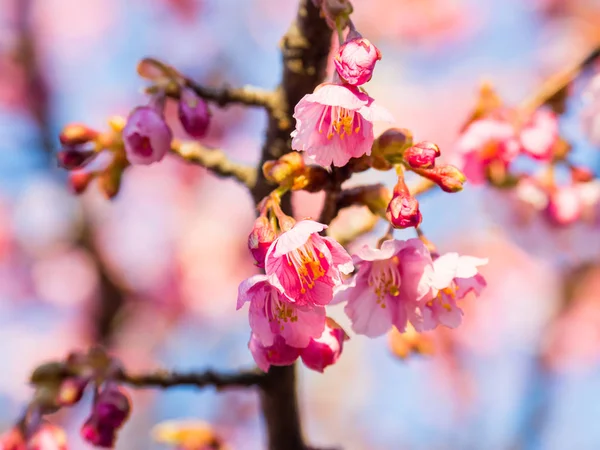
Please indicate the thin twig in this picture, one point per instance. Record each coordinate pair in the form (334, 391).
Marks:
(214, 160)
(556, 83)
(165, 379)
(247, 95)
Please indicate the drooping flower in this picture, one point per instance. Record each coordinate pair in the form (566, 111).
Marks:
(326, 349)
(146, 136)
(454, 276)
(539, 136)
(260, 239)
(486, 141)
(390, 284)
(193, 113)
(273, 314)
(110, 411)
(335, 123)
(278, 354)
(306, 266)
(356, 60)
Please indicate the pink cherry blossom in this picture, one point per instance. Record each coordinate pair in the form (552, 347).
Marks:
(335, 123)
(565, 205)
(325, 350)
(272, 314)
(306, 266)
(278, 354)
(540, 135)
(146, 136)
(356, 60)
(484, 141)
(454, 276)
(388, 287)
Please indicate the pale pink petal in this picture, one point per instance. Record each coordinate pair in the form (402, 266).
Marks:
(246, 287)
(339, 256)
(310, 325)
(467, 285)
(367, 316)
(294, 238)
(445, 270)
(467, 266)
(539, 137)
(338, 95)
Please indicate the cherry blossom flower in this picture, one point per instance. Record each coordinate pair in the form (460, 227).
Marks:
(278, 354)
(454, 276)
(325, 350)
(356, 60)
(335, 123)
(306, 266)
(193, 113)
(272, 314)
(540, 135)
(483, 142)
(146, 136)
(390, 283)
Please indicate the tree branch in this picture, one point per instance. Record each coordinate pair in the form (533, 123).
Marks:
(164, 379)
(247, 95)
(214, 160)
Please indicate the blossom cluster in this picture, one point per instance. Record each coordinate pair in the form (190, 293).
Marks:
(399, 282)
(498, 143)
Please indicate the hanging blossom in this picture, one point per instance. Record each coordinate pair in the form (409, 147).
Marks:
(454, 276)
(317, 355)
(273, 314)
(306, 266)
(388, 287)
(355, 60)
(335, 123)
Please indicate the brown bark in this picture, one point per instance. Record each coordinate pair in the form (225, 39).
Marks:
(305, 48)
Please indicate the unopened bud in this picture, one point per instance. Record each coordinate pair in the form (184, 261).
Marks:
(79, 181)
(98, 435)
(77, 134)
(403, 211)
(388, 148)
(75, 157)
(355, 61)
(71, 390)
(260, 239)
(286, 170)
(422, 155)
(112, 407)
(581, 174)
(448, 177)
(146, 136)
(193, 112)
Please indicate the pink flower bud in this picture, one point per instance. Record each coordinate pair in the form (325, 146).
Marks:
(278, 354)
(260, 239)
(77, 134)
(403, 211)
(356, 60)
(193, 113)
(448, 177)
(98, 435)
(48, 437)
(112, 406)
(80, 180)
(422, 155)
(74, 157)
(325, 350)
(71, 390)
(564, 206)
(146, 136)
